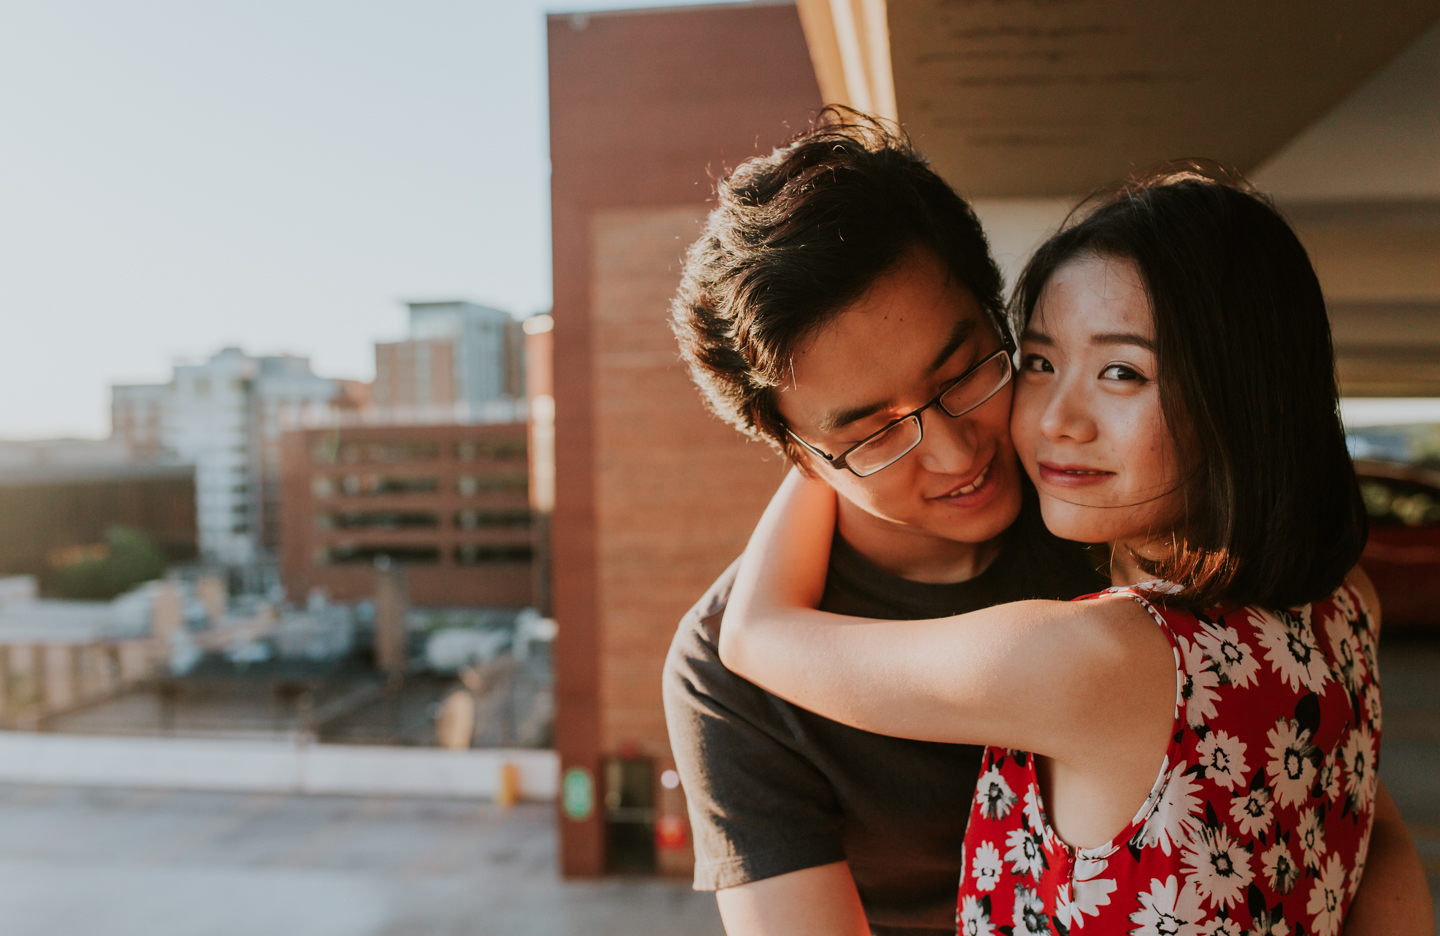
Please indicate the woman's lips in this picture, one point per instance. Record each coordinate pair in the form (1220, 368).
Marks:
(1073, 476)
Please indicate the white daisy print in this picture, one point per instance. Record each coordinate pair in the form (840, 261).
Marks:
(1090, 894)
(974, 919)
(1033, 820)
(1280, 868)
(1345, 648)
(1219, 927)
(1169, 825)
(1025, 855)
(1358, 756)
(1312, 838)
(1219, 869)
(994, 794)
(1361, 855)
(1233, 658)
(1223, 758)
(1291, 648)
(987, 866)
(1327, 781)
(1029, 918)
(1168, 910)
(1326, 895)
(1270, 923)
(1201, 680)
(1292, 762)
(1252, 812)
(1372, 705)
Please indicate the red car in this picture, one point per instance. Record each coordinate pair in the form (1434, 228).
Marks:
(1403, 554)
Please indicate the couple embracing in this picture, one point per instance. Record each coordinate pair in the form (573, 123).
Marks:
(890, 716)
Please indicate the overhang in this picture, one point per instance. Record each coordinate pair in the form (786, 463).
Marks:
(1034, 98)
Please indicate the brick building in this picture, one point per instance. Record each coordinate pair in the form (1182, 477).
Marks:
(654, 497)
(450, 503)
(52, 508)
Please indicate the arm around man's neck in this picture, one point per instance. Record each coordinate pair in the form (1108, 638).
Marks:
(818, 901)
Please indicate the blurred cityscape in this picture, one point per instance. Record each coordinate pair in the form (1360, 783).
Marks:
(258, 551)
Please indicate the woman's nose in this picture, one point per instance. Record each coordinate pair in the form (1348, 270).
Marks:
(1067, 416)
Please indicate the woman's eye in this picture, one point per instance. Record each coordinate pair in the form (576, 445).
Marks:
(1036, 364)
(1120, 372)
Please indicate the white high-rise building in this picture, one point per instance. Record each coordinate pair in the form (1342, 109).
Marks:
(225, 416)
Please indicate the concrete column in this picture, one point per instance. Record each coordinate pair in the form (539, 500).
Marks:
(391, 605)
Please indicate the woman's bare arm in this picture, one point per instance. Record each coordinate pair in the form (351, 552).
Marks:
(1393, 899)
(1031, 675)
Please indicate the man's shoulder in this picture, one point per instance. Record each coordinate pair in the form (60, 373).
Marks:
(697, 636)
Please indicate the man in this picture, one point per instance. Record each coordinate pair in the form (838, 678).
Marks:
(842, 305)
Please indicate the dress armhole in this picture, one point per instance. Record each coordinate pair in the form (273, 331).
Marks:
(1180, 673)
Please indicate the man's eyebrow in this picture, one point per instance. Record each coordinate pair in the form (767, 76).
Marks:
(836, 419)
(1124, 338)
(959, 334)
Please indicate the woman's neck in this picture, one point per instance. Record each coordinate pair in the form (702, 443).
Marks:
(1126, 557)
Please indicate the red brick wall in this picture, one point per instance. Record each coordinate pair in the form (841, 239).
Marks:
(654, 497)
(401, 381)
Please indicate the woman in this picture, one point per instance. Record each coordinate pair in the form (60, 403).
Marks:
(1204, 736)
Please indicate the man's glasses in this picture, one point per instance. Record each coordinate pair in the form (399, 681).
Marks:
(884, 448)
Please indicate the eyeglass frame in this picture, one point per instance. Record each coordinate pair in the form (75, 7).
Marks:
(839, 461)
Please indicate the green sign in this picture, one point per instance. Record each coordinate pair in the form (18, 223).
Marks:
(578, 794)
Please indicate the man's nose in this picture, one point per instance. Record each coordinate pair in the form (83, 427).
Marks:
(949, 445)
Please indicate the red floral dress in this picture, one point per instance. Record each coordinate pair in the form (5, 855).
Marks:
(1260, 819)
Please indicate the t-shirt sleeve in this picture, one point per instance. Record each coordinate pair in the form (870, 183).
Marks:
(758, 807)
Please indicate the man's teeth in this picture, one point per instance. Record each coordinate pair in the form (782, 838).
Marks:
(973, 486)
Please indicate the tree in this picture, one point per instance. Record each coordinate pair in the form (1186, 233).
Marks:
(129, 558)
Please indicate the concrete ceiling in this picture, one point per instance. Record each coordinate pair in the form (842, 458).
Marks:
(1029, 98)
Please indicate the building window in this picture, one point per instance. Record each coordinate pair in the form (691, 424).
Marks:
(471, 450)
(475, 554)
(346, 554)
(470, 485)
(374, 485)
(382, 520)
(389, 451)
(492, 519)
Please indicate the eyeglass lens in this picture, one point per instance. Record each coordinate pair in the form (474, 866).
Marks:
(886, 449)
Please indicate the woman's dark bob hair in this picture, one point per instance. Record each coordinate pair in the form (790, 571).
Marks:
(1273, 514)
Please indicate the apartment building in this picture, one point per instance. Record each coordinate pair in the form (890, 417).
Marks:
(460, 362)
(225, 415)
(449, 503)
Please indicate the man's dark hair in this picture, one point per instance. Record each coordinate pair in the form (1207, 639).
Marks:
(798, 235)
(1246, 371)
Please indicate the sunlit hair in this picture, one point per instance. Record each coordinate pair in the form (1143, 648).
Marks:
(797, 235)
(1246, 371)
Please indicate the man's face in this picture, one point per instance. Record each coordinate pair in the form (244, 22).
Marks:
(891, 351)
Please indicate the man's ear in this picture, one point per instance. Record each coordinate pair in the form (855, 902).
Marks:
(803, 461)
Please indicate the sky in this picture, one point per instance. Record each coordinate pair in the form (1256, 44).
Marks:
(177, 176)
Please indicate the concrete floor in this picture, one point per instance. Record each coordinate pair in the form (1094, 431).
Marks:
(79, 861)
(83, 861)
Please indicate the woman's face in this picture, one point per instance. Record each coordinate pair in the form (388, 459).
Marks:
(1087, 421)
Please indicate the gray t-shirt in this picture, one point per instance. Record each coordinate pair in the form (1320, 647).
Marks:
(773, 788)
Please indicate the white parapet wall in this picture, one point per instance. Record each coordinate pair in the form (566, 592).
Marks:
(272, 766)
